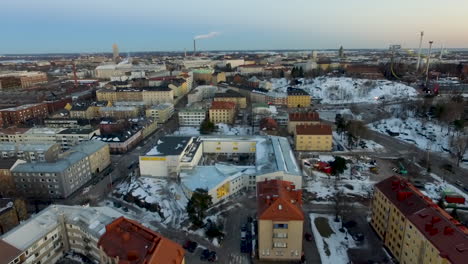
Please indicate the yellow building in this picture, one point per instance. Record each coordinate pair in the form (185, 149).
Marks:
(280, 221)
(302, 118)
(223, 112)
(160, 113)
(118, 112)
(231, 96)
(413, 227)
(298, 98)
(313, 138)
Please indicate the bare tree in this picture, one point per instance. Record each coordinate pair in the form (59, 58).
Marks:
(459, 146)
(338, 203)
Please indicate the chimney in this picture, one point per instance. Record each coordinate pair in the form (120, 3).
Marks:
(194, 47)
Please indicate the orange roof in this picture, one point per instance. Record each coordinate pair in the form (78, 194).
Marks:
(136, 244)
(320, 129)
(304, 116)
(279, 201)
(222, 105)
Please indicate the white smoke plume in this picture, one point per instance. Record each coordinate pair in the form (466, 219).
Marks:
(207, 36)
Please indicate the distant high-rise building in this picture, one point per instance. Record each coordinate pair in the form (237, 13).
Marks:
(115, 52)
(314, 55)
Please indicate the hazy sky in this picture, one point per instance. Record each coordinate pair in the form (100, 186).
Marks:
(29, 26)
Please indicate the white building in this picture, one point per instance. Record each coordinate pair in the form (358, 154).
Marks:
(181, 156)
(56, 230)
(191, 117)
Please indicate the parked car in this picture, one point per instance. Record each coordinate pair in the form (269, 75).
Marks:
(350, 224)
(244, 247)
(205, 254)
(190, 246)
(308, 236)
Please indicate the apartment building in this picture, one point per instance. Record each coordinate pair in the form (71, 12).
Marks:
(21, 79)
(413, 228)
(118, 112)
(191, 117)
(61, 122)
(30, 152)
(313, 138)
(222, 112)
(7, 185)
(231, 96)
(59, 179)
(161, 112)
(298, 98)
(149, 95)
(302, 118)
(280, 221)
(21, 114)
(98, 154)
(56, 230)
(125, 239)
(70, 137)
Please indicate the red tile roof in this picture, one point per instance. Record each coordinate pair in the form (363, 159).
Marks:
(136, 244)
(320, 129)
(279, 201)
(443, 231)
(304, 116)
(222, 105)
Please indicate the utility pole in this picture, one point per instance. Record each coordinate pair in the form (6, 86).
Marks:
(419, 52)
(428, 61)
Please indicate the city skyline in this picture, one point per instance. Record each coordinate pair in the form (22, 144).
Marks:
(53, 26)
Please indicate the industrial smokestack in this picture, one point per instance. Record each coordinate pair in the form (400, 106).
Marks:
(419, 52)
(428, 61)
(194, 47)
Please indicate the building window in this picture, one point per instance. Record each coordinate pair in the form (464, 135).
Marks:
(280, 226)
(280, 245)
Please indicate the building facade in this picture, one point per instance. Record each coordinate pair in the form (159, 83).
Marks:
(298, 98)
(302, 118)
(413, 228)
(191, 117)
(313, 138)
(31, 152)
(22, 79)
(222, 112)
(160, 113)
(280, 221)
(21, 114)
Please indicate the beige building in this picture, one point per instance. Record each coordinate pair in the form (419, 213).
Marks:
(413, 228)
(191, 117)
(222, 112)
(149, 95)
(313, 138)
(302, 118)
(160, 113)
(231, 96)
(98, 154)
(280, 221)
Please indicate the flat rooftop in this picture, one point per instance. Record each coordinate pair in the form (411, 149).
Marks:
(208, 177)
(169, 146)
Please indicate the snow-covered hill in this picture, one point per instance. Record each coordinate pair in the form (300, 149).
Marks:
(339, 90)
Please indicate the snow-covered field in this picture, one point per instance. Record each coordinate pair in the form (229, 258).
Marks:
(165, 193)
(426, 135)
(339, 90)
(355, 181)
(333, 246)
(223, 129)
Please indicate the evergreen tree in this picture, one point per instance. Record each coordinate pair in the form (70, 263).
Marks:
(338, 165)
(207, 127)
(198, 205)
